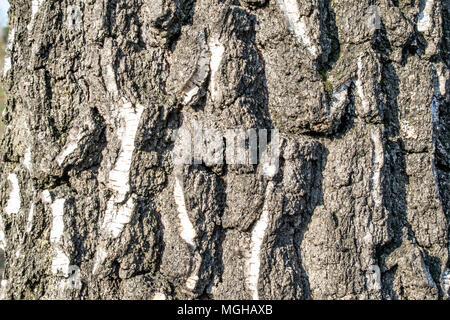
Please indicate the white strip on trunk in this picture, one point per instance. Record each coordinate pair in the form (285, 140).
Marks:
(7, 65)
(11, 38)
(269, 170)
(296, 24)
(73, 282)
(8, 61)
(373, 278)
(258, 233)
(360, 88)
(14, 202)
(193, 86)
(339, 98)
(3, 285)
(67, 151)
(35, 5)
(378, 163)
(47, 197)
(119, 176)
(100, 257)
(159, 296)
(187, 231)
(30, 218)
(425, 16)
(191, 282)
(2, 235)
(57, 231)
(117, 216)
(110, 80)
(217, 49)
(27, 160)
(60, 262)
(442, 78)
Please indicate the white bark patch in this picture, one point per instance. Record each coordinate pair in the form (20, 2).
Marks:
(118, 214)
(35, 5)
(7, 66)
(47, 197)
(270, 159)
(14, 202)
(360, 88)
(373, 278)
(187, 231)
(3, 287)
(339, 98)
(100, 256)
(378, 163)
(191, 282)
(30, 218)
(425, 16)
(110, 79)
(67, 151)
(217, 49)
(74, 17)
(60, 262)
(159, 296)
(79, 132)
(269, 170)
(2, 235)
(194, 84)
(11, 38)
(368, 239)
(27, 160)
(58, 220)
(258, 233)
(8, 61)
(73, 281)
(296, 23)
(442, 78)
(119, 175)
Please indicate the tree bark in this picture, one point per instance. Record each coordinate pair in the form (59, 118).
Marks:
(95, 207)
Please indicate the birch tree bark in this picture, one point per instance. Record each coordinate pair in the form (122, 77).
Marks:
(95, 207)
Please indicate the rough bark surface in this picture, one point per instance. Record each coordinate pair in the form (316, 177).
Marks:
(93, 205)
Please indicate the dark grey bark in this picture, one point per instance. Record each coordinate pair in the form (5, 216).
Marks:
(93, 204)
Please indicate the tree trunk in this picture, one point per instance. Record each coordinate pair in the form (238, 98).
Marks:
(95, 205)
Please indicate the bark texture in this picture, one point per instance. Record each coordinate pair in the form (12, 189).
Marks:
(93, 205)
